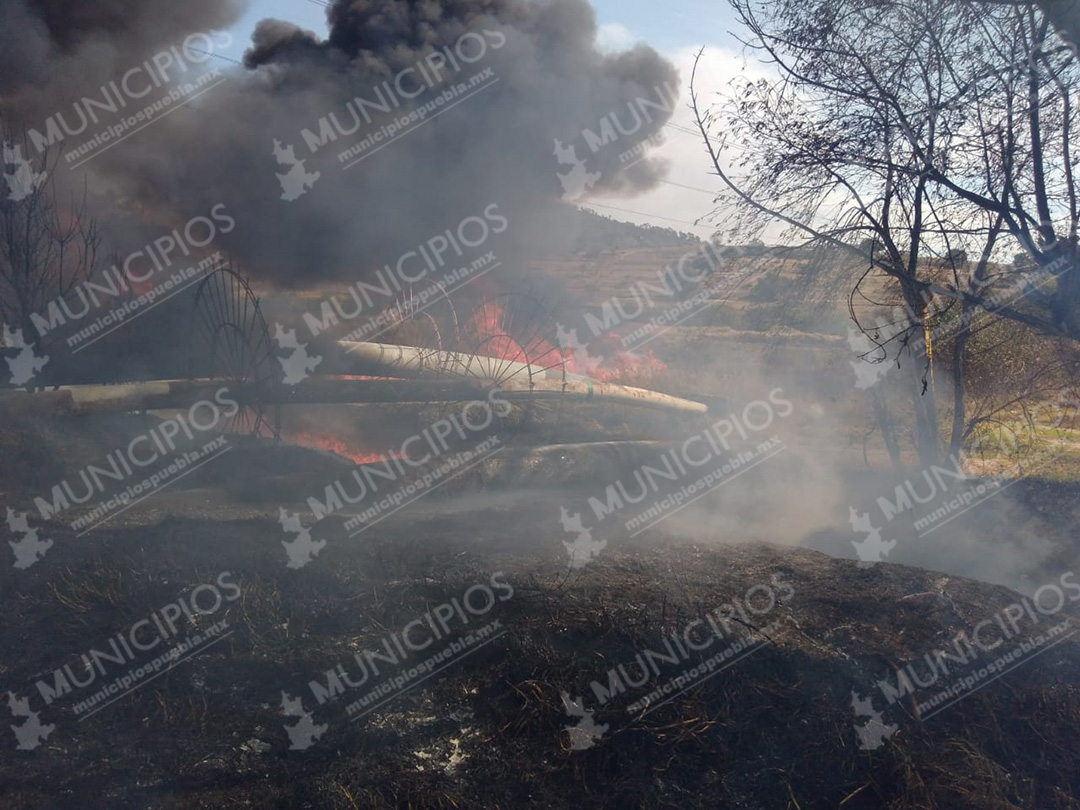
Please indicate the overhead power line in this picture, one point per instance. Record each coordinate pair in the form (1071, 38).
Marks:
(681, 128)
(639, 213)
(691, 188)
(218, 55)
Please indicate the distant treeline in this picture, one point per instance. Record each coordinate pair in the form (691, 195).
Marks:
(595, 234)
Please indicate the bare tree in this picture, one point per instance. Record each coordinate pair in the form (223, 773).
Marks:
(47, 245)
(908, 135)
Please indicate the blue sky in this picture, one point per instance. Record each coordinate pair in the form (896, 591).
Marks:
(304, 13)
(676, 30)
(667, 27)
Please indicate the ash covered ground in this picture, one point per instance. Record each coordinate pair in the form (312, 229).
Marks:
(449, 656)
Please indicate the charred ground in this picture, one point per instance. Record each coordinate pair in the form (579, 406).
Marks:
(775, 729)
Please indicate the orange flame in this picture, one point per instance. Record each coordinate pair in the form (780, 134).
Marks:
(604, 359)
(337, 446)
(487, 325)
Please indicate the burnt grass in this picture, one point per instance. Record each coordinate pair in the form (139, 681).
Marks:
(774, 730)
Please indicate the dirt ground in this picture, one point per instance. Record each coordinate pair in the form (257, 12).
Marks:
(526, 712)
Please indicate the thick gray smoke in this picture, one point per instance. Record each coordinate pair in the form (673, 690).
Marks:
(53, 52)
(514, 77)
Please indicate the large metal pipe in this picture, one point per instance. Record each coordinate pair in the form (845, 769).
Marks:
(523, 380)
(176, 394)
(412, 361)
(80, 399)
(163, 395)
(586, 390)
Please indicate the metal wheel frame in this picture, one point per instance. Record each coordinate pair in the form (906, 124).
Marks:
(523, 321)
(432, 326)
(532, 328)
(230, 341)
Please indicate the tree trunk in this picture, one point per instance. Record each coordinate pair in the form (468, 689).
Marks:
(920, 371)
(959, 420)
(881, 411)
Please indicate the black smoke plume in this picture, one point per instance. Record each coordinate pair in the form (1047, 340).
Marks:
(547, 82)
